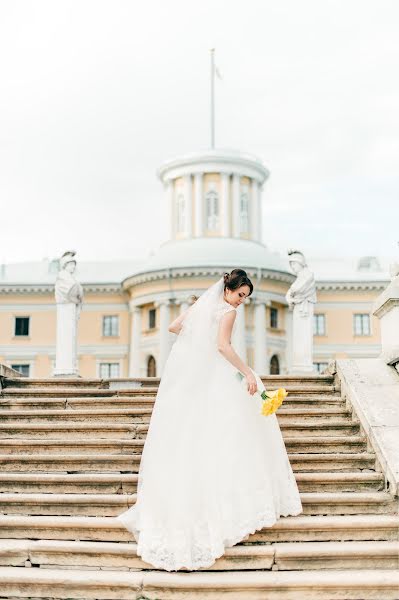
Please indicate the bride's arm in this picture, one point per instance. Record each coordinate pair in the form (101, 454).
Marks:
(176, 325)
(227, 350)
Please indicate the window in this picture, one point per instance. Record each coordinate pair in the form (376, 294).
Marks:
(21, 325)
(319, 325)
(320, 366)
(151, 367)
(274, 317)
(111, 326)
(23, 369)
(244, 210)
(274, 365)
(181, 213)
(152, 318)
(108, 370)
(361, 324)
(212, 210)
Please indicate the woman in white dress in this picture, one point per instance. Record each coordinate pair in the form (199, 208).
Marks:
(213, 469)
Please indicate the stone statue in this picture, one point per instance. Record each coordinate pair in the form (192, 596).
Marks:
(394, 270)
(386, 309)
(303, 291)
(69, 298)
(67, 288)
(301, 298)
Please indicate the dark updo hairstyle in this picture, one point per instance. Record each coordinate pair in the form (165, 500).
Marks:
(236, 279)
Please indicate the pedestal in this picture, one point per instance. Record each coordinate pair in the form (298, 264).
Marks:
(302, 341)
(386, 308)
(66, 354)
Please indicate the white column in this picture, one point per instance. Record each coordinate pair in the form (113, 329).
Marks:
(188, 205)
(302, 337)
(199, 204)
(236, 205)
(254, 211)
(261, 361)
(171, 210)
(183, 306)
(259, 212)
(238, 337)
(66, 353)
(135, 338)
(225, 204)
(164, 334)
(288, 330)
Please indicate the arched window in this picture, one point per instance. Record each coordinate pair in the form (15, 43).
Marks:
(180, 213)
(274, 365)
(244, 209)
(151, 367)
(212, 210)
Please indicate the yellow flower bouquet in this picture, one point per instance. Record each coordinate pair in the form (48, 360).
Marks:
(271, 400)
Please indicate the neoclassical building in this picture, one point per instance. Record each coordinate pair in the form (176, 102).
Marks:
(215, 214)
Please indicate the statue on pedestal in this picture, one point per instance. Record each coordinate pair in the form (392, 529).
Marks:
(301, 298)
(69, 298)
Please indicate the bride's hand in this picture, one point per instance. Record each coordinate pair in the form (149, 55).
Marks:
(252, 386)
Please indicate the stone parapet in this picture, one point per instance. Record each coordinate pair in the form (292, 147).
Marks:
(372, 388)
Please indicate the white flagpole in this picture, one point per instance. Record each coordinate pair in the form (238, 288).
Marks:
(213, 98)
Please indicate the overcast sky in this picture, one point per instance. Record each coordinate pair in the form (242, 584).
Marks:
(95, 95)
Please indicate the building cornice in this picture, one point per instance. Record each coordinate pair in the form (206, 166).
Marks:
(24, 289)
(221, 161)
(352, 285)
(178, 273)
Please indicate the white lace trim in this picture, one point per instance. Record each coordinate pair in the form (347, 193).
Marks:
(160, 555)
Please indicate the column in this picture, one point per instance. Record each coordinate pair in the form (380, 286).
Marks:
(225, 204)
(171, 209)
(66, 353)
(183, 306)
(288, 329)
(199, 204)
(236, 205)
(135, 338)
(259, 213)
(164, 334)
(302, 338)
(188, 205)
(254, 211)
(261, 360)
(238, 337)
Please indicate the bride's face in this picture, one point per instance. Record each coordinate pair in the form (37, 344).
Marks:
(236, 297)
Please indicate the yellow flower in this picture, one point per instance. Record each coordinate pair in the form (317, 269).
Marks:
(273, 401)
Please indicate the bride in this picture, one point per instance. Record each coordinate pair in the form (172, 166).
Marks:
(213, 469)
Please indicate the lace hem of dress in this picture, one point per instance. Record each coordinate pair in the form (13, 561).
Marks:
(160, 557)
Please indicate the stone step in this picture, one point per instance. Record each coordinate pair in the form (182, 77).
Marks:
(305, 444)
(143, 415)
(65, 392)
(303, 528)
(142, 401)
(129, 463)
(278, 555)
(108, 505)
(53, 382)
(33, 382)
(124, 483)
(20, 582)
(62, 429)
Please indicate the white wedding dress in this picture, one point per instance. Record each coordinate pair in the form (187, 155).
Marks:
(213, 469)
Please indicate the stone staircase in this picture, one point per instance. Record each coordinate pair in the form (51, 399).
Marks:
(70, 452)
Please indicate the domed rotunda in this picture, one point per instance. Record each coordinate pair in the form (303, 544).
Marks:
(214, 203)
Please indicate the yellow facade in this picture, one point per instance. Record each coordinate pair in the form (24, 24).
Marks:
(38, 348)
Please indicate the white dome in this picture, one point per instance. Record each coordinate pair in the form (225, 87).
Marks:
(215, 252)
